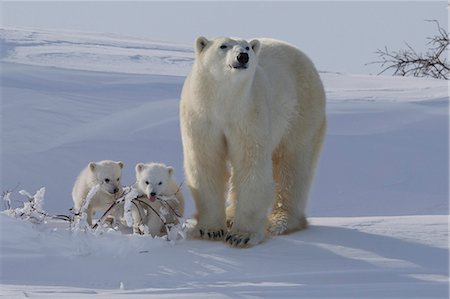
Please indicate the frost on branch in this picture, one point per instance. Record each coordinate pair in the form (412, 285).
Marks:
(6, 196)
(32, 209)
(130, 194)
(81, 221)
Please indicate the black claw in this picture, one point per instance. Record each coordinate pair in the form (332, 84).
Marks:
(238, 241)
(216, 234)
(228, 238)
(221, 233)
(246, 241)
(201, 233)
(209, 235)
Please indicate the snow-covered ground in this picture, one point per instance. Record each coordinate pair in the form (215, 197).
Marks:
(379, 204)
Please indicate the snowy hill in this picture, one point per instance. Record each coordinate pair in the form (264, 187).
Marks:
(94, 52)
(70, 98)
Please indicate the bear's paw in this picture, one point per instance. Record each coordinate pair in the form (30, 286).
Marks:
(240, 239)
(281, 222)
(215, 234)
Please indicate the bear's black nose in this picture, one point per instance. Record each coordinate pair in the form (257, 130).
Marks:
(242, 58)
(153, 194)
(116, 190)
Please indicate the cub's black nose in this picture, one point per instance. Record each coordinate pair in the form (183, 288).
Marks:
(116, 190)
(153, 194)
(242, 58)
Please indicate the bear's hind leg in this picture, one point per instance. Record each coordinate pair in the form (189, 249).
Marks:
(293, 171)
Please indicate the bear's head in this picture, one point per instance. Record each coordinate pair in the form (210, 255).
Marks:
(152, 179)
(226, 57)
(108, 175)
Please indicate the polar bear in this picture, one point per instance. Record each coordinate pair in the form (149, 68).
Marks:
(252, 113)
(156, 185)
(107, 174)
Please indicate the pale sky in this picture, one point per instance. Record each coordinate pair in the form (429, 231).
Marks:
(338, 36)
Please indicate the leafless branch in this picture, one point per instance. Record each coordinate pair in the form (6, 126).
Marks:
(408, 62)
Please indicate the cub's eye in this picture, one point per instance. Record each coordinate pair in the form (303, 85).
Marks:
(223, 46)
(106, 180)
(160, 183)
(118, 179)
(247, 48)
(147, 183)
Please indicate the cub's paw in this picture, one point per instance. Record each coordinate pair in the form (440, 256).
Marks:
(215, 234)
(241, 239)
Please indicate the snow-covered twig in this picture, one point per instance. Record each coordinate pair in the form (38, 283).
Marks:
(128, 194)
(81, 220)
(6, 197)
(128, 199)
(32, 208)
(89, 197)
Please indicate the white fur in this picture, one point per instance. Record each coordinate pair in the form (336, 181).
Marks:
(107, 174)
(266, 121)
(158, 179)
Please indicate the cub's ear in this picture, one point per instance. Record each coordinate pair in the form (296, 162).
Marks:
(92, 166)
(200, 44)
(120, 163)
(139, 167)
(170, 170)
(256, 45)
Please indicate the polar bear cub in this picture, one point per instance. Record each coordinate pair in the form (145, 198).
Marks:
(259, 107)
(158, 191)
(107, 174)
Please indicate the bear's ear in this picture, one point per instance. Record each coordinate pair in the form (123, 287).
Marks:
(139, 167)
(170, 170)
(92, 166)
(120, 163)
(255, 44)
(200, 44)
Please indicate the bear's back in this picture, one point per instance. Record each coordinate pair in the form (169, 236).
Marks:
(278, 55)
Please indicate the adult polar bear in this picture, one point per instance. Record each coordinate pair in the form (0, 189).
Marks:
(258, 107)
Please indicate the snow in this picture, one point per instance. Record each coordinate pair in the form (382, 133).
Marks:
(379, 204)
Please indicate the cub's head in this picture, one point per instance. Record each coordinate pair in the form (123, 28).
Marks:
(227, 57)
(109, 175)
(152, 179)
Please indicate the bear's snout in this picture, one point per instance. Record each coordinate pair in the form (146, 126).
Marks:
(242, 58)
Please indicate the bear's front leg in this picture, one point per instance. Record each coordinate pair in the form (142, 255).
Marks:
(206, 177)
(253, 185)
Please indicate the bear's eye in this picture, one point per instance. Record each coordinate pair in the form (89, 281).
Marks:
(147, 183)
(247, 48)
(223, 46)
(106, 180)
(118, 179)
(160, 183)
